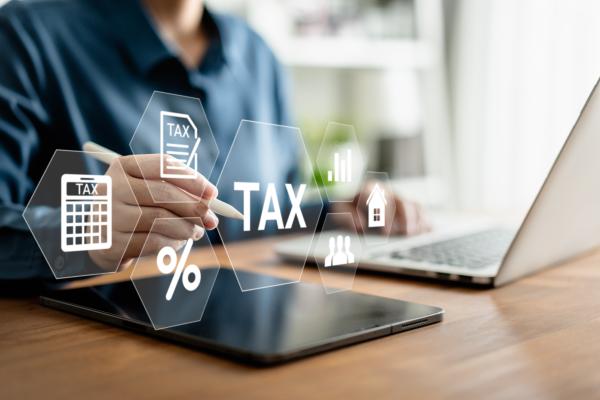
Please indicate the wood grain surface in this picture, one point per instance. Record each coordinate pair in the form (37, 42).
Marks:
(536, 338)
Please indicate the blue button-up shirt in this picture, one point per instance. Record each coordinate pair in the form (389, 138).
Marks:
(80, 70)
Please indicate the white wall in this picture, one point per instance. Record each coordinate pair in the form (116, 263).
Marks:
(520, 72)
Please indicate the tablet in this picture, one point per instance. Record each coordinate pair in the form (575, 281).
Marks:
(266, 326)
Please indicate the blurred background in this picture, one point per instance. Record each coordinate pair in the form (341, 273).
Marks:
(465, 103)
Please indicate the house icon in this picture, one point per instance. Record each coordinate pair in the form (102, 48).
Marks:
(376, 203)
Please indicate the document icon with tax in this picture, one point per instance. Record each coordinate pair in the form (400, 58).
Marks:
(179, 139)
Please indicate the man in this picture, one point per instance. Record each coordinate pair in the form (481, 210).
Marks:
(73, 71)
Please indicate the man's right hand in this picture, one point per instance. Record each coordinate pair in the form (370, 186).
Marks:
(129, 235)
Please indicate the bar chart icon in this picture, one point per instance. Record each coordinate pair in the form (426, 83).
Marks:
(342, 168)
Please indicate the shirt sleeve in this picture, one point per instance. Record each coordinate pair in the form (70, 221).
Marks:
(22, 115)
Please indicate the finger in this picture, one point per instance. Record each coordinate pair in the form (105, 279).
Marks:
(125, 217)
(168, 224)
(148, 167)
(361, 221)
(411, 218)
(115, 255)
(399, 225)
(145, 244)
(424, 225)
(148, 192)
(408, 218)
(121, 187)
(176, 201)
(388, 228)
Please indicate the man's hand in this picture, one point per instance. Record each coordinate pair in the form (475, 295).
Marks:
(408, 219)
(129, 234)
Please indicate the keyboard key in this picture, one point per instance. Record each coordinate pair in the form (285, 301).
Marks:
(475, 250)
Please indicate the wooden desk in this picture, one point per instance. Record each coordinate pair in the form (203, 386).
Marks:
(537, 338)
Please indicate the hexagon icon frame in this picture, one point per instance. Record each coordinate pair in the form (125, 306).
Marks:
(338, 276)
(340, 163)
(380, 190)
(166, 299)
(55, 212)
(268, 184)
(181, 149)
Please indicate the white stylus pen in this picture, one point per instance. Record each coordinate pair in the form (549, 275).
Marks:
(105, 155)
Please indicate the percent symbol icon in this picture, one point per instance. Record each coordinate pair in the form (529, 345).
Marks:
(191, 273)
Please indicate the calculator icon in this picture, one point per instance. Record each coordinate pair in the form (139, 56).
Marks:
(86, 212)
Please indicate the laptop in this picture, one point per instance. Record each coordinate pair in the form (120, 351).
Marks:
(562, 222)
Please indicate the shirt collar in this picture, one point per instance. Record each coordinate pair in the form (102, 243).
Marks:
(232, 39)
(226, 36)
(140, 37)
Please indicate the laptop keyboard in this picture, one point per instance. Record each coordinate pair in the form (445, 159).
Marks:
(476, 250)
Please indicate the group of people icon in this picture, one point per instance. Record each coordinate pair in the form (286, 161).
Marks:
(339, 251)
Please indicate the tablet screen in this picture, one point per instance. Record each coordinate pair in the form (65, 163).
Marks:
(268, 325)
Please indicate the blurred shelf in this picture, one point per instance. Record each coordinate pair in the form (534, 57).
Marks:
(354, 53)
